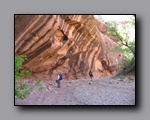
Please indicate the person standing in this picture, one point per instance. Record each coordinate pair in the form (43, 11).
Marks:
(91, 75)
(58, 80)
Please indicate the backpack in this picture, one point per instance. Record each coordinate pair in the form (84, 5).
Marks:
(60, 76)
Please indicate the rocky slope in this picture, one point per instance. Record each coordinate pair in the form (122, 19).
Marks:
(70, 44)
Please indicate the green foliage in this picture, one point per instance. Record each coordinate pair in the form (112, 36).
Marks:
(38, 81)
(21, 89)
(41, 88)
(124, 33)
(127, 63)
(19, 74)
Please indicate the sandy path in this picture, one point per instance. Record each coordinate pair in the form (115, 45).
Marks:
(104, 91)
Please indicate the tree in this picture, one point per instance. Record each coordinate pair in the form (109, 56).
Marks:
(124, 33)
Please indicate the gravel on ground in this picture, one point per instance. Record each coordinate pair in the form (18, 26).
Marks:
(102, 91)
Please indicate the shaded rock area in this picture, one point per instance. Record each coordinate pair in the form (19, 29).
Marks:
(104, 91)
(70, 44)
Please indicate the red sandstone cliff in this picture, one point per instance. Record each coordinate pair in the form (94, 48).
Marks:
(71, 44)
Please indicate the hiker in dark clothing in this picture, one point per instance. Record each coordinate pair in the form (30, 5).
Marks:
(91, 75)
(58, 80)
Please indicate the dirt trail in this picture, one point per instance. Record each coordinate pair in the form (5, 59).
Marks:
(103, 91)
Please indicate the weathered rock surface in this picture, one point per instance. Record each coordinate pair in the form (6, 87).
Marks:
(70, 44)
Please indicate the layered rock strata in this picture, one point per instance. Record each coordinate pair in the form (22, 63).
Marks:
(70, 44)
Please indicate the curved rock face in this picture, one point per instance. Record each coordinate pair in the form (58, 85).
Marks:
(70, 44)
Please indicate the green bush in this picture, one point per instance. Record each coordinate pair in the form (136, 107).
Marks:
(23, 90)
(19, 74)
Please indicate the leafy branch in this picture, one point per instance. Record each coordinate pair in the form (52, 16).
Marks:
(121, 30)
(22, 90)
